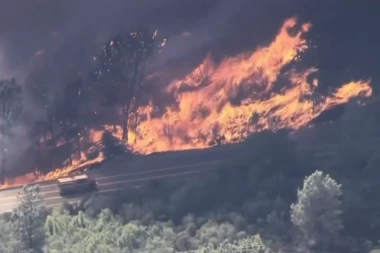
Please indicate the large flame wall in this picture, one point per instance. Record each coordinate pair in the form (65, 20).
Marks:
(220, 100)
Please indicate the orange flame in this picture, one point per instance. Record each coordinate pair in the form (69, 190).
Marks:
(206, 110)
(94, 137)
(227, 101)
(25, 179)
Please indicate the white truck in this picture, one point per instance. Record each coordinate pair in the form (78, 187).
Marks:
(76, 185)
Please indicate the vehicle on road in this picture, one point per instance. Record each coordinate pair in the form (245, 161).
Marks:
(76, 185)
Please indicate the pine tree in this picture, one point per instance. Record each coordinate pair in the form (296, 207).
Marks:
(317, 210)
(121, 71)
(9, 242)
(29, 218)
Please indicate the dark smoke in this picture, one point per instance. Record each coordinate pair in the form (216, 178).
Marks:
(50, 42)
(56, 40)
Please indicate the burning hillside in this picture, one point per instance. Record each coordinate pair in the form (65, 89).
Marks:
(238, 96)
(226, 101)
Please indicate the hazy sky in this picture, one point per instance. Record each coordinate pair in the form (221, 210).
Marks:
(60, 37)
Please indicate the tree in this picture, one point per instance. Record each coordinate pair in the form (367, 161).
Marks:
(252, 244)
(105, 233)
(66, 233)
(317, 210)
(9, 242)
(111, 145)
(254, 121)
(71, 110)
(29, 218)
(42, 96)
(121, 71)
(35, 134)
(10, 111)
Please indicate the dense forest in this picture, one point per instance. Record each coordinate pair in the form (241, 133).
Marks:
(264, 200)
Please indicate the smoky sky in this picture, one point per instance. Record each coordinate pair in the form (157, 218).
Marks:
(59, 38)
(64, 35)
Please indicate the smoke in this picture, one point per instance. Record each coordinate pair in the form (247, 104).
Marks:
(61, 39)
(6, 70)
(205, 31)
(62, 36)
(52, 45)
(17, 142)
(65, 35)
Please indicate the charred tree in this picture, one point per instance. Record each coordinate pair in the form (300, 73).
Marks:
(35, 134)
(41, 95)
(73, 101)
(121, 71)
(10, 111)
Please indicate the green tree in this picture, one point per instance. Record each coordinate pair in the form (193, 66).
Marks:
(29, 218)
(121, 71)
(10, 111)
(317, 210)
(65, 233)
(160, 238)
(105, 234)
(9, 242)
(252, 244)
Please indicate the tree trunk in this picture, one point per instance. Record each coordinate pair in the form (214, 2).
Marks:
(30, 232)
(3, 166)
(3, 154)
(38, 155)
(78, 144)
(2, 169)
(125, 122)
(125, 129)
(49, 123)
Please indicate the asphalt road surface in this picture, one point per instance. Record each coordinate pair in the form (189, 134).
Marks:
(112, 180)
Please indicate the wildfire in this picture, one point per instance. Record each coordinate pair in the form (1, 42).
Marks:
(35, 177)
(28, 178)
(224, 102)
(77, 161)
(240, 95)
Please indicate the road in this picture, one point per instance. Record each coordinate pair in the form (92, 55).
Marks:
(124, 171)
(109, 181)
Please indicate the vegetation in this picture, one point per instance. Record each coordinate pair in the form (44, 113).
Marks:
(10, 111)
(317, 211)
(225, 211)
(66, 113)
(121, 71)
